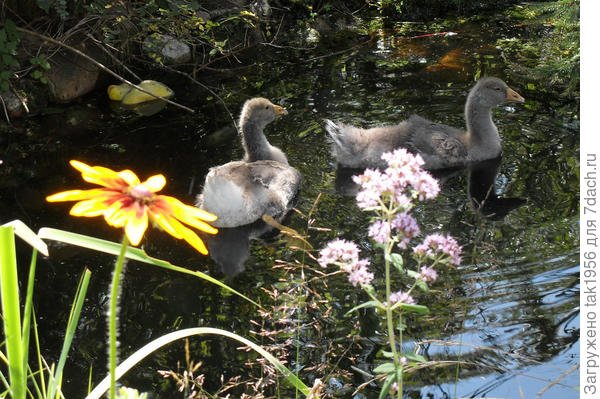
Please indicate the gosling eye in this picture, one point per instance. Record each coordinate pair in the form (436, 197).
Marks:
(267, 107)
(497, 88)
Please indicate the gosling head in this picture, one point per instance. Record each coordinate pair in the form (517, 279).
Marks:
(492, 92)
(260, 111)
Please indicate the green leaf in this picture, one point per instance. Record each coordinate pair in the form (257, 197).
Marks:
(365, 305)
(416, 358)
(27, 235)
(70, 331)
(44, 5)
(8, 59)
(396, 260)
(10, 27)
(387, 384)
(422, 285)
(385, 368)
(420, 309)
(137, 254)
(11, 312)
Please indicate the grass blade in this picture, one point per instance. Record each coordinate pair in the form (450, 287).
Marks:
(158, 343)
(137, 254)
(28, 309)
(27, 235)
(41, 370)
(9, 290)
(70, 333)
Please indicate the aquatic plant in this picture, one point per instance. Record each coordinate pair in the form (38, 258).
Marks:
(390, 195)
(46, 380)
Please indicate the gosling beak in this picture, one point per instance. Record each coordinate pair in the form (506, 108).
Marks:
(513, 96)
(279, 110)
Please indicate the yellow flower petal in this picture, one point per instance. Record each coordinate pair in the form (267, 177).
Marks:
(136, 227)
(89, 208)
(98, 175)
(200, 225)
(74, 195)
(192, 238)
(129, 177)
(196, 242)
(117, 214)
(182, 232)
(167, 223)
(155, 183)
(180, 208)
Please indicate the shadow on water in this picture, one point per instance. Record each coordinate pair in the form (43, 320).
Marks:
(481, 190)
(481, 187)
(509, 313)
(230, 249)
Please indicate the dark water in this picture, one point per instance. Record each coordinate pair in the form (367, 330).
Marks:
(510, 312)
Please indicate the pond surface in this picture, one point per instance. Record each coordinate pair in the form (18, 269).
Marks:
(509, 312)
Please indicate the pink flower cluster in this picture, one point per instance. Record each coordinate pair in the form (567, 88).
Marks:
(437, 243)
(380, 231)
(402, 297)
(404, 225)
(345, 254)
(338, 251)
(428, 274)
(404, 171)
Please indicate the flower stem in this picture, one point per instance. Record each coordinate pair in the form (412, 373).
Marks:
(112, 317)
(388, 311)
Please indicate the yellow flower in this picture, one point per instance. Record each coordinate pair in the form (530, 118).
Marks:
(126, 202)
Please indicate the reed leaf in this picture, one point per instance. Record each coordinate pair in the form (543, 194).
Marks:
(70, 332)
(166, 339)
(132, 253)
(11, 311)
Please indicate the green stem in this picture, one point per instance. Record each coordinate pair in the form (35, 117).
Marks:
(388, 214)
(112, 318)
(400, 380)
(389, 315)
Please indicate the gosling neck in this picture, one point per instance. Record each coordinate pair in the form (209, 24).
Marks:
(256, 146)
(484, 142)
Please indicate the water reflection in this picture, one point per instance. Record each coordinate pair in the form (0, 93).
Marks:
(481, 190)
(230, 248)
(481, 187)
